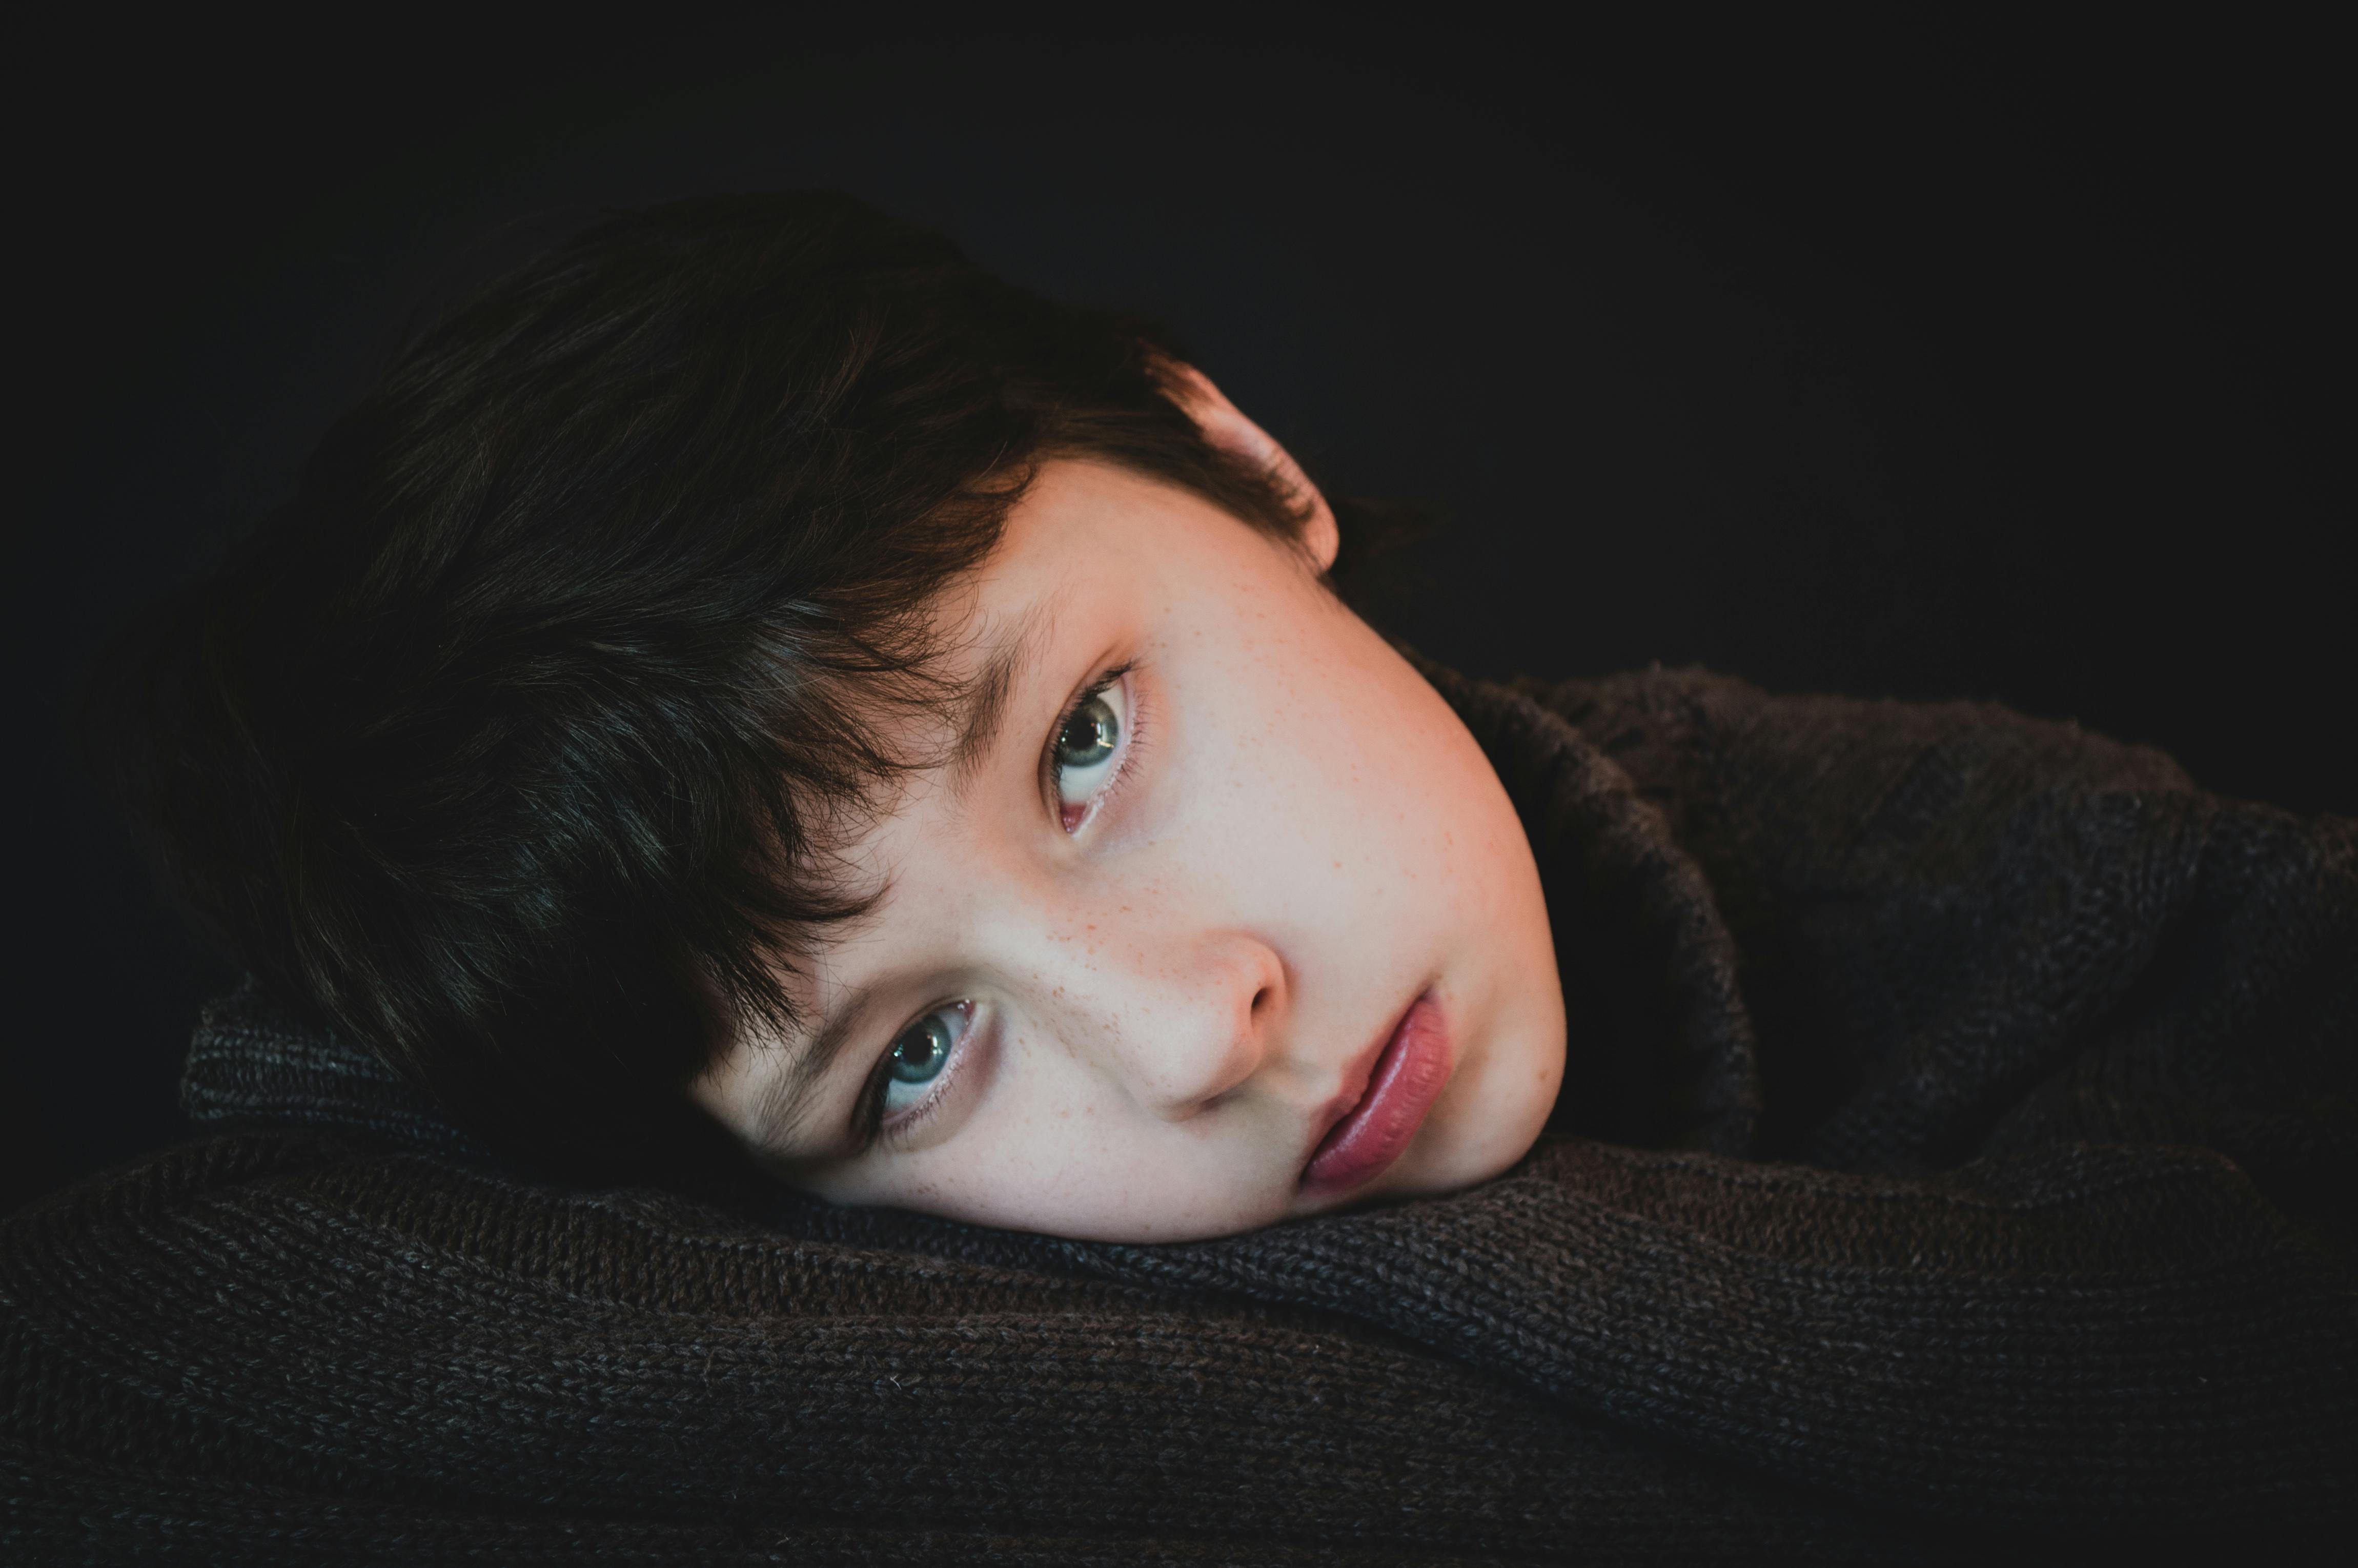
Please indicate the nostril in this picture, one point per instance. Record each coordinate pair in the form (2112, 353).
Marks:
(1261, 999)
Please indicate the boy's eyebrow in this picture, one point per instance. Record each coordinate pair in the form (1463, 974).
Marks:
(986, 702)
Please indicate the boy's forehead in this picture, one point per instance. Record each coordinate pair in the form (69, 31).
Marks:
(955, 733)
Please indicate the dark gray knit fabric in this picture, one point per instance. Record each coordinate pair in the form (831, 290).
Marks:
(1956, 1157)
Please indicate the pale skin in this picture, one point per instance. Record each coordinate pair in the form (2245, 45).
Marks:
(1133, 947)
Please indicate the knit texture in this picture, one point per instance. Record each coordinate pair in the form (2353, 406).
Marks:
(1955, 1156)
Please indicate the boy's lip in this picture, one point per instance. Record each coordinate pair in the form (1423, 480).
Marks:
(1384, 1101)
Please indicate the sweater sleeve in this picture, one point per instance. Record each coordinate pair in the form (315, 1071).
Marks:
(300, 1348)
(2069, 1340)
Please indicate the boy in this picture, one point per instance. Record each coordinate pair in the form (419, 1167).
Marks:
(751, 693)
(756, 661)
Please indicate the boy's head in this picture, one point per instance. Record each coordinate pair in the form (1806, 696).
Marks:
(753, 669)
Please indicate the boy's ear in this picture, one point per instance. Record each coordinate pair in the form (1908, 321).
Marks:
(1227, 428)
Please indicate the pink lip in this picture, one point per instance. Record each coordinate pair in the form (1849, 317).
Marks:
(1376, 1125)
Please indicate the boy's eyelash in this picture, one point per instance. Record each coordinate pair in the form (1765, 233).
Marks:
(867, 1116)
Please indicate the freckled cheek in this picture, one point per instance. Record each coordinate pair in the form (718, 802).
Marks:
(1061, 1152)
(1069, 1175)
(1041, 1130)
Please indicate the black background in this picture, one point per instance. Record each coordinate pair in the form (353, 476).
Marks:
(1977, 363)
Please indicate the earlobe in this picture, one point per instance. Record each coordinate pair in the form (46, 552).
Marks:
(1224, 426)
(1321, 536)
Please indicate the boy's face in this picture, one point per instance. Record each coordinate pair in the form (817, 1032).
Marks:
(1225, 919)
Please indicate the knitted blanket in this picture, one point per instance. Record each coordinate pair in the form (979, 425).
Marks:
(1956, 1155)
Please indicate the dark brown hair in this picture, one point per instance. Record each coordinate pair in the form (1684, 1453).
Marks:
(503, 746)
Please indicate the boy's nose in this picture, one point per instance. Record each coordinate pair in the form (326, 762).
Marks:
(1208, 1029)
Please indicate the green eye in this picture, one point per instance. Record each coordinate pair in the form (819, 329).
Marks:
(922, 1051)
(1089, 736)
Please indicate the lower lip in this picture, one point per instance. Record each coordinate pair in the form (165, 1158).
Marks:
(1407, 1077)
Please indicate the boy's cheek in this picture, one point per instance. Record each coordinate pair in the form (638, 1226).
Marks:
(1056, 1152)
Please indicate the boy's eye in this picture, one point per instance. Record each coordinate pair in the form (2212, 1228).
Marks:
(918, 1054)
(1088, 744)
(1089, 736)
